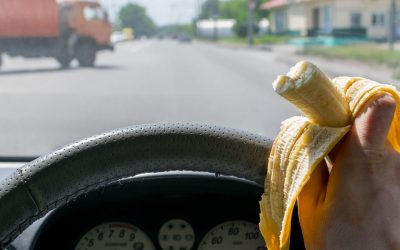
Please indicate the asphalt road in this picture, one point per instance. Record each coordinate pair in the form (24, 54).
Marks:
(43, 107)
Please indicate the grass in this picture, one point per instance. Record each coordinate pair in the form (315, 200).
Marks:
(258, 40)
(366, 53)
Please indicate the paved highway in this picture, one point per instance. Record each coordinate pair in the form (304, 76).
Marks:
(43, 107)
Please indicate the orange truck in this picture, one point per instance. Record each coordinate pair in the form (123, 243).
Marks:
(65, 30)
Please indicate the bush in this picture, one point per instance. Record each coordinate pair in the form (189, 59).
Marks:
(241, 29)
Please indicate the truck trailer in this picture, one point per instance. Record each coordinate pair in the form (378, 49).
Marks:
(64, 30)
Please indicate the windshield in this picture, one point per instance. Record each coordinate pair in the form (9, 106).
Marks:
(73, 69)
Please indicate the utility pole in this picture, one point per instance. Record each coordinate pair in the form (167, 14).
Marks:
(392, 24)
(251, 6)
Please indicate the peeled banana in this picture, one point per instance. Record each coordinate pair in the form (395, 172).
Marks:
(330, 107)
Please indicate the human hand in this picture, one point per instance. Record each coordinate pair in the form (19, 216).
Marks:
(357, 204)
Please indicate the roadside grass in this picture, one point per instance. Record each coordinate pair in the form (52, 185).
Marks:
(258, 40)
(366, 53)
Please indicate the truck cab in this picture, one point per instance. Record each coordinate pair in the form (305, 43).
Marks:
(89, 27)
(89, 19)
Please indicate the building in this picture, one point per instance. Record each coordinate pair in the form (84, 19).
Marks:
(338, 18)
(220, 27)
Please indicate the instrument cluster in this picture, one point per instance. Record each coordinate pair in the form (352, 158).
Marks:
(175, 234)
(164, 213)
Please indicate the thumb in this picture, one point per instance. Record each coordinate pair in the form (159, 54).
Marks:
(372, 124)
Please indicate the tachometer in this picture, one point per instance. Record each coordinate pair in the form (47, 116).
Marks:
(233, 235)
(115, 236)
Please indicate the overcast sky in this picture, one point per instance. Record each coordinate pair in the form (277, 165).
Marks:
(161, 11)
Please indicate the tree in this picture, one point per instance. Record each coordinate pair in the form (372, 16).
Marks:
(236, 9)
(134, 16)
(233, 9)
(209, 9)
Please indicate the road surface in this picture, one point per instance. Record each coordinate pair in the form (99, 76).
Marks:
(43, 108)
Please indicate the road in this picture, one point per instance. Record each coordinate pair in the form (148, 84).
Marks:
(43, 108)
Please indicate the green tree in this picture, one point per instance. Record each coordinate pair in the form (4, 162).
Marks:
(209, 9)
(134, 16)
(234, 9)
(238, 10)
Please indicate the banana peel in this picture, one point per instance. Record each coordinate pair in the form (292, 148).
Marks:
(330, 107)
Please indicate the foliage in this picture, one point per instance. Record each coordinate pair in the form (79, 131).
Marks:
(134, 16)
(171, 30)
(209, 9)
(258, 40)
(241, 29)
(236, 9)
(186, 28)
(272, 39)
(233, 9)
(367, 53)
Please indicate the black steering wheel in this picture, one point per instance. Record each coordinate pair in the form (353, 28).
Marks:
(55, 179)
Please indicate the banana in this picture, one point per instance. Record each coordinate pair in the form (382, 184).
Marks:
(305, 86)
(330, 107)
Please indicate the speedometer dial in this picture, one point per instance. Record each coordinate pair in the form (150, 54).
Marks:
(233, 235)
(115, 236)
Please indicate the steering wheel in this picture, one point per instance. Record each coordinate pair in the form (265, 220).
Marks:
(59, 177)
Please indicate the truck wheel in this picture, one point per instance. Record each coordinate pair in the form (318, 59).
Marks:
(63, 57)
(86, 54)
(64, 62)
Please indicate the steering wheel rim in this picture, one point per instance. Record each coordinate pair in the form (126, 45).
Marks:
(38, 187)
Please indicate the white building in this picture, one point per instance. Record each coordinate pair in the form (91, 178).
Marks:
(223, 27)
(368, 18)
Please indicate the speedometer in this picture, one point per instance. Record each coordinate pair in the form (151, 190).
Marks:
(233, 235)
(115, 236)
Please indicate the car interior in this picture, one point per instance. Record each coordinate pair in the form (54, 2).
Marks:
(148, 124)
(158, 186)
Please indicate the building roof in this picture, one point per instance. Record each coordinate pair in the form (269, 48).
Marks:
(274, 4)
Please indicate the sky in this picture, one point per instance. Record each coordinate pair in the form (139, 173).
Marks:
(161, 11)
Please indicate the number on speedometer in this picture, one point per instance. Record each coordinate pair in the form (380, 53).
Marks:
(115, 236)
(233, 235)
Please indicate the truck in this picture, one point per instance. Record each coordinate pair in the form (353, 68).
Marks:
(64, 30)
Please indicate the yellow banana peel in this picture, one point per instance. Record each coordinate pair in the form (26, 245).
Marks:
(330, 107)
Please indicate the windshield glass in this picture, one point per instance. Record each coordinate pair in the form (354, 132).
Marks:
(73, 69)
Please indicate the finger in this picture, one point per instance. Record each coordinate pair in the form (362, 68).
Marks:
(313, 193)
(372, 124)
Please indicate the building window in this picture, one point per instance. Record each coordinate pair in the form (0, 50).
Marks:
(280, 21)
(327, 16)
(378, 19)
(356, 20)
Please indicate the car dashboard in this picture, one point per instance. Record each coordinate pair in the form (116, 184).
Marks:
(169, 211)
